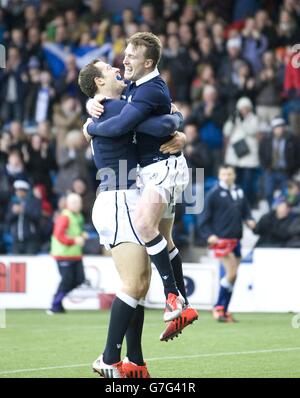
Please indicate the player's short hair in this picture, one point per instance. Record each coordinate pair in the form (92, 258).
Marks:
(150, 41)
(86, 78)
(226, 166)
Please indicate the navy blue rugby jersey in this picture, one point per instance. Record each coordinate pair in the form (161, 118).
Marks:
(145, 97)
(149, 97)
(115, 152)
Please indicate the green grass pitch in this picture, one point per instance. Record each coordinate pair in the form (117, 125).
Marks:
(260, 345)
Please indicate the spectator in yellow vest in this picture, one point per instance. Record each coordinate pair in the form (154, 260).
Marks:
(66, 247)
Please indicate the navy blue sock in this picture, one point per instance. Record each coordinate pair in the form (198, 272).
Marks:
(176, 263)
(222, 295)
(120, 318)
(134, 337)
(57, 301)
(225, 293)
(158, 252)
(227, 300)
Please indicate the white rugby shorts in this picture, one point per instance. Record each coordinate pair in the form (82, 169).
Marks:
(168, 177)
(112, 217)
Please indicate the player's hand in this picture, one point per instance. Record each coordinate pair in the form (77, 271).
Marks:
(17, 209)
(176, 144)
(251, 224)
(85, 235)
(212, 240)
(174, 108)
(85, 126)
(79, 240)
(94, 106)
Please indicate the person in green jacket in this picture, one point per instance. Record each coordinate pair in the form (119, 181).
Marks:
(67, 242)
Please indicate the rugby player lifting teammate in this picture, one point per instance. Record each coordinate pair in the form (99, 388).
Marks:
(163, 177)
(112, 217)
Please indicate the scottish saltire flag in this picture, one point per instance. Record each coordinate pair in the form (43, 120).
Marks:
(86, 54)
(56, 55)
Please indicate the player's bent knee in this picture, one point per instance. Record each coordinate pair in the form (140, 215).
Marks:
(147, 230)
(136, 291)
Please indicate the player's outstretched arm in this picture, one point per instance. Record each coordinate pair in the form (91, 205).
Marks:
(118, 125)
(161, 126)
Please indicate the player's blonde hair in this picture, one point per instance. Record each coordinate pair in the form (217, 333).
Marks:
(151, 42)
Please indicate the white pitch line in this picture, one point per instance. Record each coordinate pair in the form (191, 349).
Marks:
(217, 354)
(224, 354)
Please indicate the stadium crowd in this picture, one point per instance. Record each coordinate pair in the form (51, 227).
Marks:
(231, 69)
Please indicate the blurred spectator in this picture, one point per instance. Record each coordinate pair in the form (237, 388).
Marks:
(23, 219)
(18, 137)
(209, 118)
(268, 88)
(75, 28)
(242, 9)
(241, 132)
(171, 10)
(294, 233)
(265, 27)
(279, 158)
(288, 30)
(148, 14)
(95, 14)
(34, 73)
(31, 17)
(46, 219)
(189, 13)
(196, 152)
(3, 25)
(177, 60)
(205, 76)
(39, 162)
(13, 80)
(118, 44)
(185, 35)
(218, 36)
(228, 70)
(201, 30)
(13, 170)
(80, 187)
(5, 143)
(72, 162)
(222, 9)
(66, 247)
(68, 81)
(292, 90)
(292, 196)
(206, 51)
(17, 40)
(273, 228)
(254, 44)
(244, 85)
(45, 95)
(66, 117)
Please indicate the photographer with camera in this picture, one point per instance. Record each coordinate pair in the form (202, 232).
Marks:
(241, 134)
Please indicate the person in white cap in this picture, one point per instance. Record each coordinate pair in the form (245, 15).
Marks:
(228, 69)
(241, 132)
(279, 154)
(24, 212)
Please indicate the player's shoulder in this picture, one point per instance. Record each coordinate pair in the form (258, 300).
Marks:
(157, 81)
(154, 88)
(214, 190)
(113, 107)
